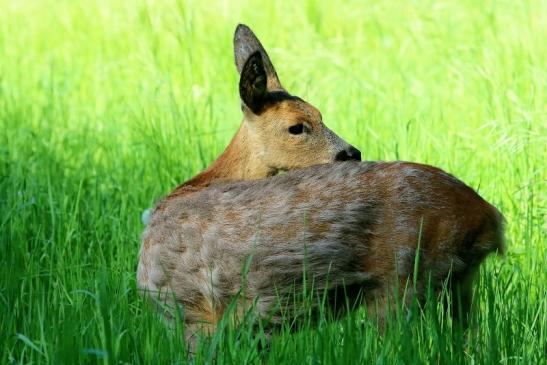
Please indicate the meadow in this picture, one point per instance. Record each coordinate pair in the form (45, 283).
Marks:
(105, 106)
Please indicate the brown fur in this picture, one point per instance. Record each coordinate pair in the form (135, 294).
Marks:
(352, 225)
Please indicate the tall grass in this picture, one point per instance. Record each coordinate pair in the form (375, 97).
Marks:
(107, 105)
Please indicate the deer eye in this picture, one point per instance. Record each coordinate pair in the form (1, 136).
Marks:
(296, 129)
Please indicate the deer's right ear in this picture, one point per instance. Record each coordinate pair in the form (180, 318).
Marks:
(253, 83)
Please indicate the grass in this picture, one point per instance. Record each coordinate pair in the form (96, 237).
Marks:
(106, 106)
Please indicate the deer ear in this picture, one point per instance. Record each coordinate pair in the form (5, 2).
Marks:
(253, 83)
(245, 44)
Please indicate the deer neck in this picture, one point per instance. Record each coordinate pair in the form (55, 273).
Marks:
(240, 161)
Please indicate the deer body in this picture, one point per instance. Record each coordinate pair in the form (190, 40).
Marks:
(352, 224)
(347, 224)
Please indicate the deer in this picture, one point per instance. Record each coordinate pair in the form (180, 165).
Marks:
(345, 223)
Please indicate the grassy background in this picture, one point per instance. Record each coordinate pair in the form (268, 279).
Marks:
(107, 105)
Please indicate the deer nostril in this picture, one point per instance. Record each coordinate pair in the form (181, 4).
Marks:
(354, 154)
(349, 154)
(341, 156)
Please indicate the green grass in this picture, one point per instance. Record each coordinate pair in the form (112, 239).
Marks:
(107, 105)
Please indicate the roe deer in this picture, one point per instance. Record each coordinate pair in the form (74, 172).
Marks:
(348, 224)
(279, 131)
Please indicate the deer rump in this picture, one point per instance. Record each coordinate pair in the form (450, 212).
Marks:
(348, 224)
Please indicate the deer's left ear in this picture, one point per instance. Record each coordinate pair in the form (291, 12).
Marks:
(253, 83)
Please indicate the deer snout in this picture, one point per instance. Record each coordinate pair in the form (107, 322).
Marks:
(349, 154)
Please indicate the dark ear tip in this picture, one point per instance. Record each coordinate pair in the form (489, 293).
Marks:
(242, 31)
(242, 28)
(241, 36)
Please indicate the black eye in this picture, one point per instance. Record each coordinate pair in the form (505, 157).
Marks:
(296, 129)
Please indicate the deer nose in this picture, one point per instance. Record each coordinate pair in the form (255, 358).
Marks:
(349, 154)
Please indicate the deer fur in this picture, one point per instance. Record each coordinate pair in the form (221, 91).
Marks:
(347, 224)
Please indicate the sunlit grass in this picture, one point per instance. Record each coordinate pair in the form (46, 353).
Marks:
(106, 105)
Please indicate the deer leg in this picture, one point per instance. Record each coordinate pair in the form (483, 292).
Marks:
(462, 297)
